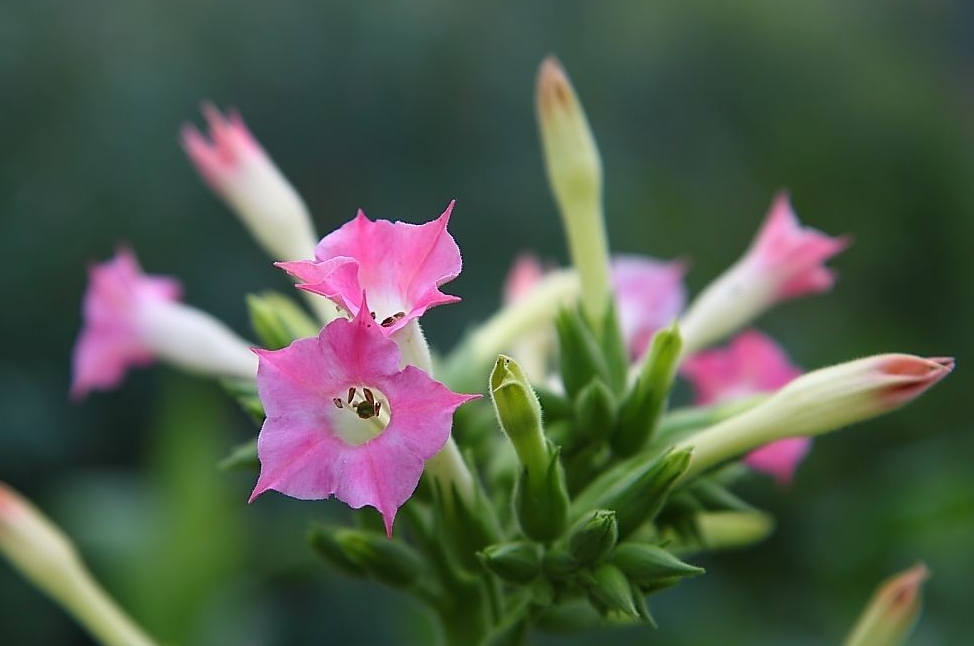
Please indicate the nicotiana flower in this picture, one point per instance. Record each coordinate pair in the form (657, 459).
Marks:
(344, 420)
(399, 266)
(753, 363)
(236, 167)
(130, 319)
(649, 295)
(784, 261)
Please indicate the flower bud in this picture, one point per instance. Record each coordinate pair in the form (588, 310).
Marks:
(541, 500)
(635, 489)
(519, 413)
(646, 565)
(236, 167)
(48, 560)
(517, 562)
(892, 612)
(643, 407)
(609, 589)
(363, 552)
(817, 402)
(278, 320)
(574, 170)
(593, 536)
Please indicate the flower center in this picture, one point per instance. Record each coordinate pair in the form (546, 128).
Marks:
(361, 414)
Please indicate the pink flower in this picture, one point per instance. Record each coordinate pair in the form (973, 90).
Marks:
(521, 278)
(753, 363)
(649, 294)
(130, 319)
(784, 261)
(344, 420)
(399, 266)
(237, 168)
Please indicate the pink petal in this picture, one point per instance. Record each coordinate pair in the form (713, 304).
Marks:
(650, 295)
(780, 458)
(790, 257)
(230, 144)
(400, 267)
(522, 276)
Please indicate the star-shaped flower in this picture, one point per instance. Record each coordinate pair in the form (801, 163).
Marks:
(399, 266)
(753, 363)
(343, 420)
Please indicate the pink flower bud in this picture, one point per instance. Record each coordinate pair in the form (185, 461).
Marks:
(890, 615)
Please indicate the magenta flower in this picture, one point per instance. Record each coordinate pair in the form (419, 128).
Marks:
(236, 167)
(399, 266)
(784, 261)
(753, 363)
(130, 319)
(344, 420)
(649, 294)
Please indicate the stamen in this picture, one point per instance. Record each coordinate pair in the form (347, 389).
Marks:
(378, 407)
(372, 314)
(351, 395)
(337, 401)
(369, 397)
(389, 321)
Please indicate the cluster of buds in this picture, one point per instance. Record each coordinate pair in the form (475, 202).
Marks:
(596, 490)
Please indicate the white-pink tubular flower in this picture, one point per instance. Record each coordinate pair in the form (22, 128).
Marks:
(236, 167)
(649, 295)
(131, 319)
(753, 363)
(818, 402)
(785, 260)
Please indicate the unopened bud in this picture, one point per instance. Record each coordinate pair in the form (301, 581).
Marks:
(817, 402)
(609, 589)
(575, 173)
(519, 414)
(648, 565)
(593, 537)
(365, 552)
(278, 320)
(517, 562)
(892, 612)
(541, 501)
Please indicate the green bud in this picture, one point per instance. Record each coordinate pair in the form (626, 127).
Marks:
(593, 537)
(245, 392)
(323, 541)
(555, 405)
(595, 411)
(733, 529)
(580, 357)
(516, 562)
(388, 561)
(643, 407)
(558, 565)
(892, 612)
(541, 501)
(609, 589)
(648, 565)
(614, 347)
(277, 320)
(519, 414)
(569, 617)
(635, 489)
(467, 526)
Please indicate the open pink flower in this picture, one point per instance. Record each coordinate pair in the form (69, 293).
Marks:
(236, 167)
(753, 363)
(399, 266)
(785, 260)
(650, 295)
(130, 319)
(344, 420)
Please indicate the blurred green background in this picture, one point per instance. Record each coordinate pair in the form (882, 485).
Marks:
(863, 109)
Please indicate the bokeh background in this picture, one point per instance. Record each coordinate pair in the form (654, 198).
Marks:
(863, 109)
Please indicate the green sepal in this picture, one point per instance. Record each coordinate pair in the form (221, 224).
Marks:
(278, 320)
(245, 392)
(516, 562)
(593, 536)
(569, 617)
(466, 529)
(363, 552)
(242, 457)
(609, 590)
(716, 497)
(580, 356)
(556, 406)
(643, 406)
(648, 565)
(541, 500)
(595, 412)
(614, 347)
(635, 489)
(558, 565)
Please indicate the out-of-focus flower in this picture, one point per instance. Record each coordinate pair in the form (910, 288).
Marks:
(130, 319)
(753, 363)
(344, 420)
(784, 261)
(895, 607)
(236, 167)
(818, 402)
(399, 266)
(649, 294)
